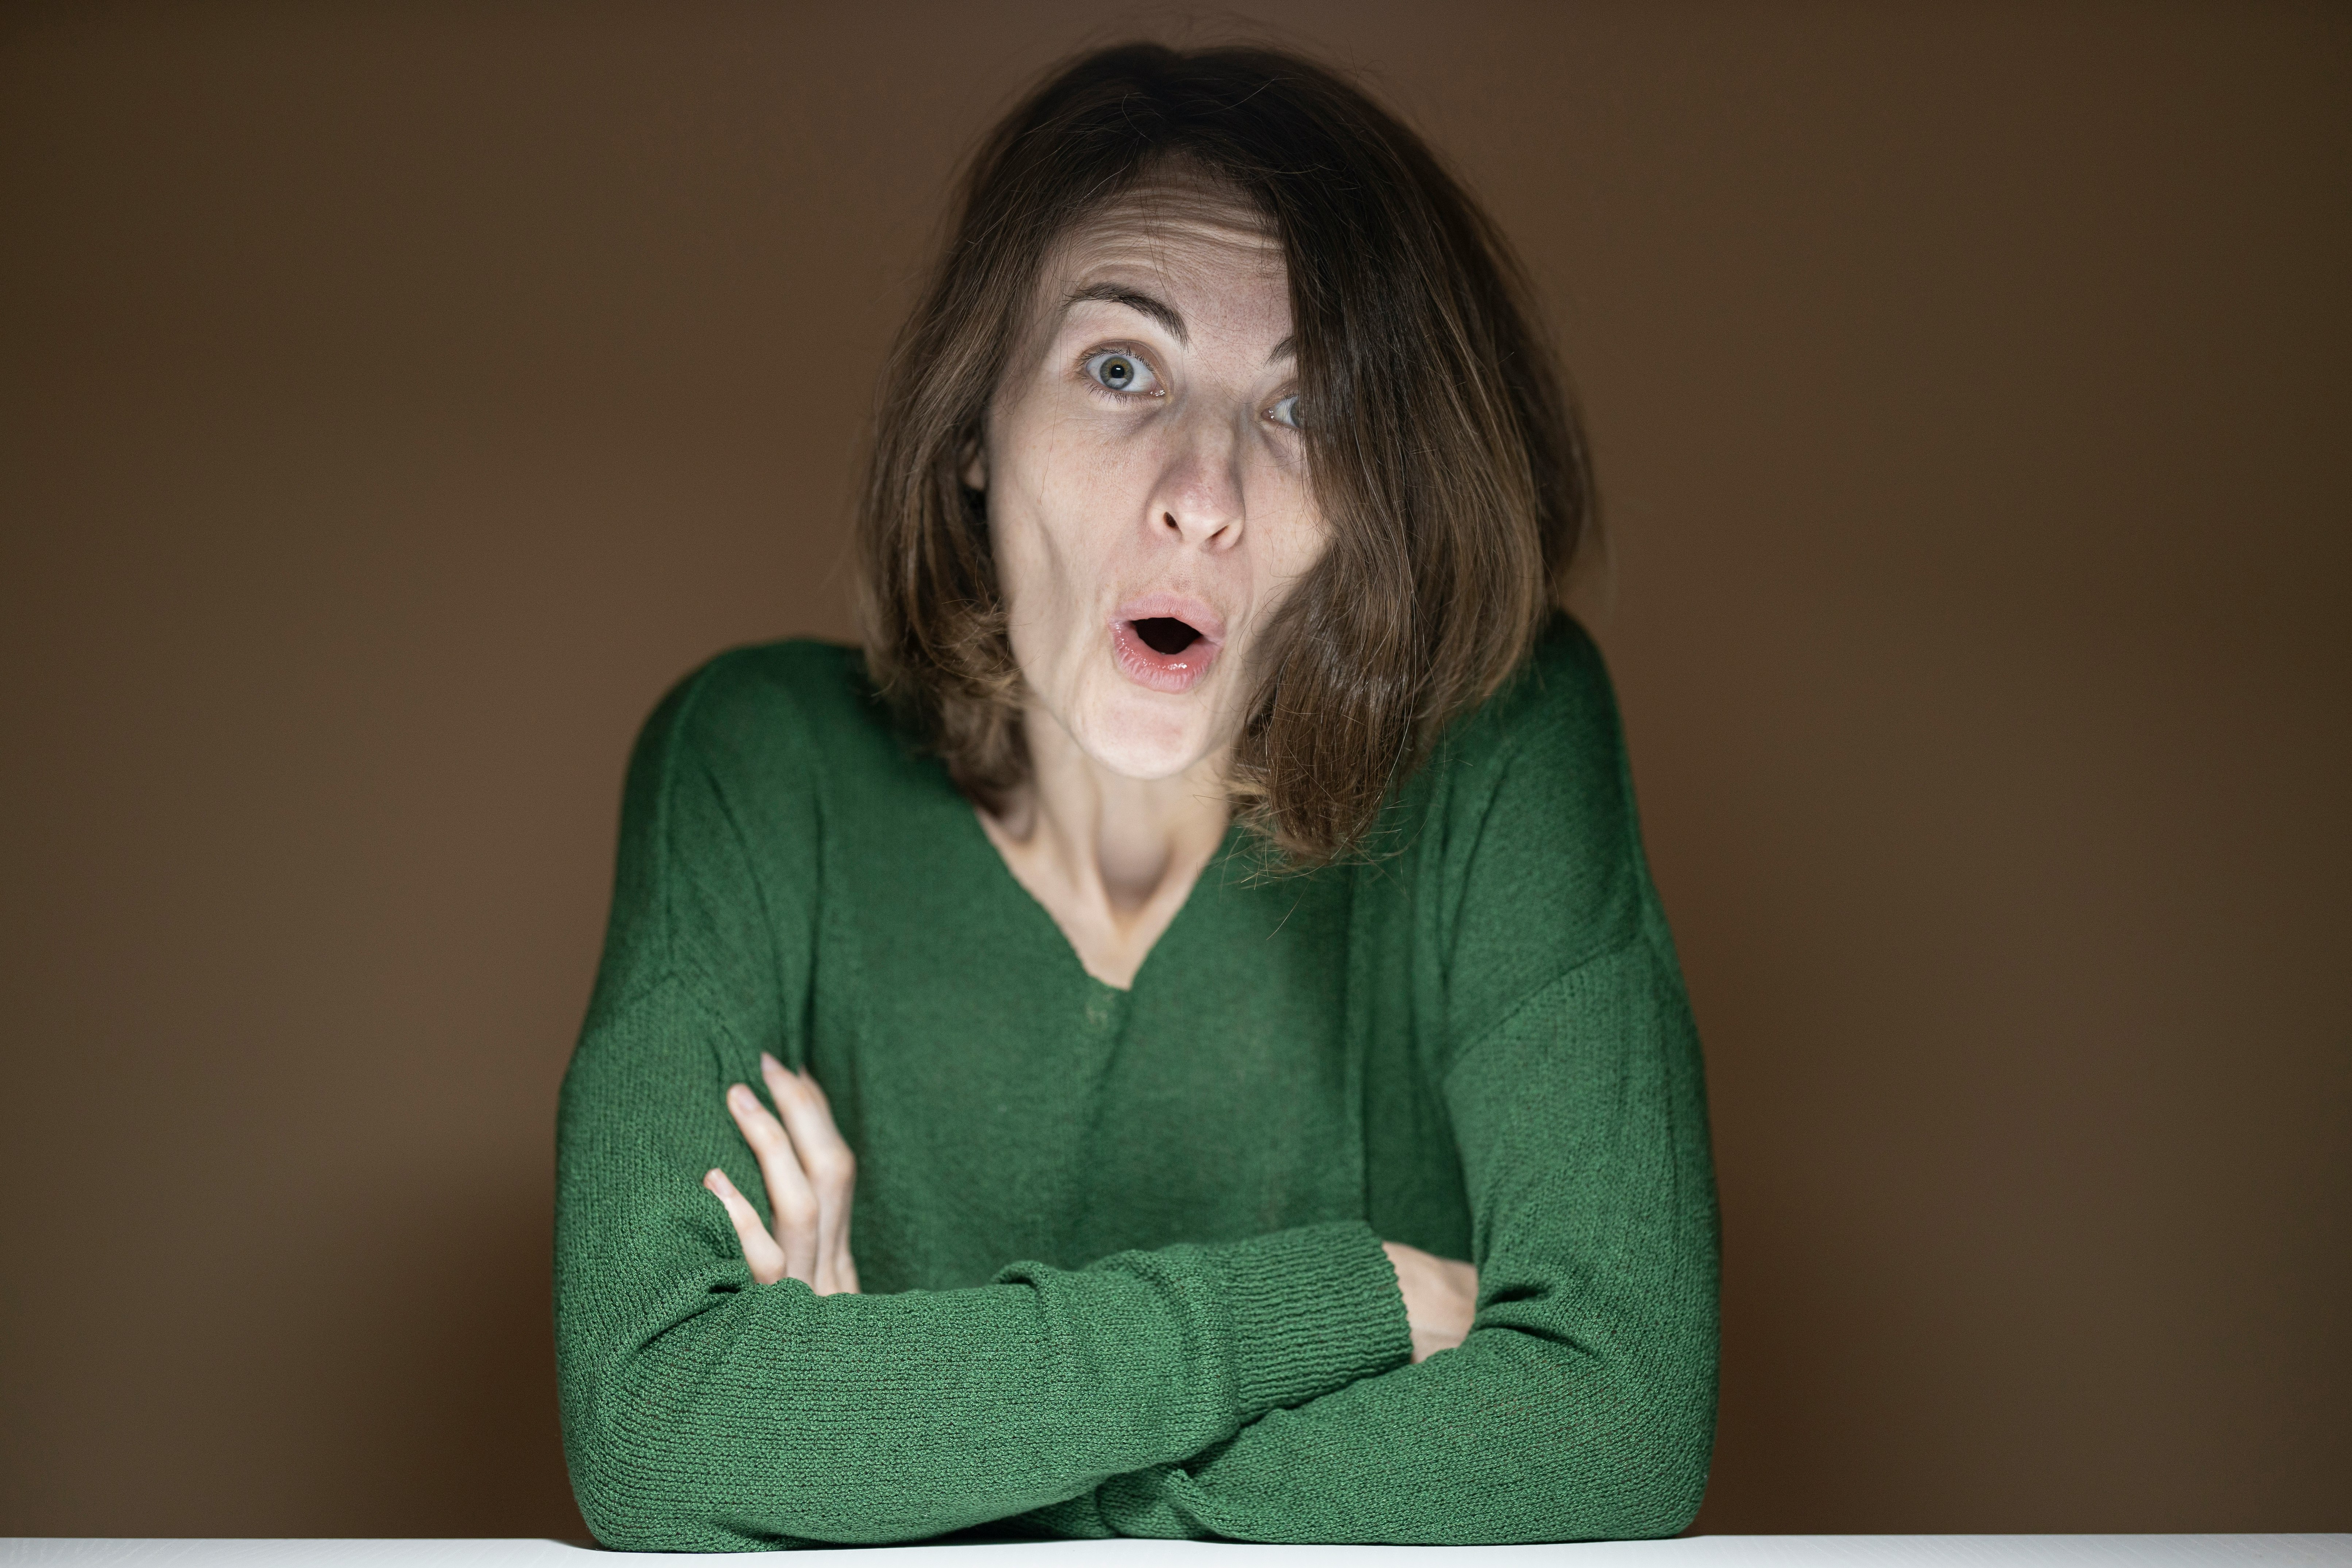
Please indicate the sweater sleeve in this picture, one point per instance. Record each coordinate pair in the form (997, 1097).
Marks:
(704, 1412)
(1582, 1404)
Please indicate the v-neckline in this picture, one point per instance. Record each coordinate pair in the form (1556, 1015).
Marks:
(1061, 938)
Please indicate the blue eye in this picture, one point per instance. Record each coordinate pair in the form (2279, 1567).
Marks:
(1286, 412)
(1121, 371)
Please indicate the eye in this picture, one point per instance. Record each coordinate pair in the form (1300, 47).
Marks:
(1286, 412)
(1121, 371)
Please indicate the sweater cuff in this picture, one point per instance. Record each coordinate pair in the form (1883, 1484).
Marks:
(1314, 1309)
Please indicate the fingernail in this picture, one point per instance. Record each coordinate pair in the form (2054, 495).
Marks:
(770, 1063)
(738, 1095)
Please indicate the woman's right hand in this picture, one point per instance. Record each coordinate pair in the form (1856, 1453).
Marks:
(1441, 1296)
(811, 1178)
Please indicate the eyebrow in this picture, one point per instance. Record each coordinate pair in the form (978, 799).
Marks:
(1116, 294)
(1162, 313)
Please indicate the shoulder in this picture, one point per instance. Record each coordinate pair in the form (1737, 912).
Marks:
(736, 759)
(1557, 711)
(764, 707)
(1542, 847)
(801, 685)
(721, 821)
(1544, 752)
(726, 782)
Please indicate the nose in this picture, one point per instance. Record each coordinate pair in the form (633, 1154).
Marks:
(1199, 499)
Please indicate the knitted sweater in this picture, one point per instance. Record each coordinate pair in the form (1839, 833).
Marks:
(1120, 1249)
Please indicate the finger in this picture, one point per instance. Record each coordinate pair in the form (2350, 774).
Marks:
(825, 1156)
(791, 1203)
(844, 1268)
(760, 1253)
(836, 1271)
(844, 1261)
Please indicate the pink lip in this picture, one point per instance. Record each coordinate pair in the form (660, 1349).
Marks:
(1147, 666)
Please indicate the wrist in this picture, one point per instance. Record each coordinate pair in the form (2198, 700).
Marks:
(1313, 1309)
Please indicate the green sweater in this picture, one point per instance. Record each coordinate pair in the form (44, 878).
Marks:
(1121, 1249)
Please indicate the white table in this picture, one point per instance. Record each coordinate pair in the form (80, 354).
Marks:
(1688, 1551)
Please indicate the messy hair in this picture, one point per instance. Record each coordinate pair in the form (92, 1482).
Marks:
(1442, 447)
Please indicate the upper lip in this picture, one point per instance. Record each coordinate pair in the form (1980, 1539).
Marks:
(1194, 612)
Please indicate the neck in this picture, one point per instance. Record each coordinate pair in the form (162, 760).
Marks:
(1123, 849)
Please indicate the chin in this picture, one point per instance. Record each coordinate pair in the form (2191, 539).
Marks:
(1143, 739)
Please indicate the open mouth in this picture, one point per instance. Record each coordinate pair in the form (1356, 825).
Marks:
(1165, 634)
(1164, 651)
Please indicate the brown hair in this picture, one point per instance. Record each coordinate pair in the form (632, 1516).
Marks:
(1440, 445)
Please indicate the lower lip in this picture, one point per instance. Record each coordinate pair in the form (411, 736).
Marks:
(1149, 667)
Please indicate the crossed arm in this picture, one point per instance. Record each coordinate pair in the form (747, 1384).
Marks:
(1253, 1390)
(812, 1181)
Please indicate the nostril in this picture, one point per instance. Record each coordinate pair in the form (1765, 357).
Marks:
(1165, 634)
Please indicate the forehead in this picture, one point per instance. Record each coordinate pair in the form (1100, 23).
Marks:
(1190, 238)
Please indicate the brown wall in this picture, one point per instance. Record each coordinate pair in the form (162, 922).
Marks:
(393, 402)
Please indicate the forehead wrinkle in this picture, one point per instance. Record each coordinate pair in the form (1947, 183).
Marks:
(1152, 228)
(1212, 211)
(1158, 243)
(1134, 300)
(1168, 247)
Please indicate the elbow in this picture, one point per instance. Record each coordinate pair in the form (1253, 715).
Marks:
(1664, 1496)
(620, 1527)
(620, 1498)
(660, 1462)
(631, 1502)
(1652, 1409)
(1633, 1450)
(638, 1491)
(1662, 1472)
(620, 1523)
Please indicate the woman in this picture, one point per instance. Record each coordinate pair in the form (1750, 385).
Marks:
(1204, 932)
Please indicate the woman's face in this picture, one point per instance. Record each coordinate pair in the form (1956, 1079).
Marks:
(1146, 484)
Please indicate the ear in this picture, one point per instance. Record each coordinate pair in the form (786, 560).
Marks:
(974, 471)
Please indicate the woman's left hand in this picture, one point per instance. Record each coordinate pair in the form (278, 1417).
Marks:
(810, 1177)
(1441, 1298)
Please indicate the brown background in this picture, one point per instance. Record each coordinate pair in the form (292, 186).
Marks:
(397, 400)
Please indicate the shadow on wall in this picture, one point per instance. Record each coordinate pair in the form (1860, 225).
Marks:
(388, 1372)
(476, 1450)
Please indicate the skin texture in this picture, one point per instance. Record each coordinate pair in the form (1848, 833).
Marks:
(1182, 492)
(1192, 486)
(812, 1181)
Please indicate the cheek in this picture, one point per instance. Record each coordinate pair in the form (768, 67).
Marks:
(1294, 540)
(1069, 495)
(1032, 578)
(1044, 500)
